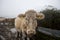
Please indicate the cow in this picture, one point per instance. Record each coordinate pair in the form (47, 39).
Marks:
(27, 23)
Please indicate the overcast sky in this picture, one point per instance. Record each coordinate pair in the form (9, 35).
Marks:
(11, 8)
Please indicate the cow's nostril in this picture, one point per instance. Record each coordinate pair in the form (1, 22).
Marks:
(30, 32)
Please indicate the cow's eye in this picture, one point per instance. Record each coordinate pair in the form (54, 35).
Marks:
(27, 19)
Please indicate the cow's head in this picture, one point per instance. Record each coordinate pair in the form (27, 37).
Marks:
(31, 22)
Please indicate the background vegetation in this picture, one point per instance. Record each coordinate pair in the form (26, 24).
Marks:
(52, 18)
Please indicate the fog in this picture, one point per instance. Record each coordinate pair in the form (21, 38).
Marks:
(11, 8)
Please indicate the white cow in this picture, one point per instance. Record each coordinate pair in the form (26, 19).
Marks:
(27, 23)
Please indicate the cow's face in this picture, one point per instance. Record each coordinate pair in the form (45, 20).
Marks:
(31, 26)
(31, 22)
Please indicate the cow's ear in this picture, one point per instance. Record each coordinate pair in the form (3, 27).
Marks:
(21, 15)
(40, 16)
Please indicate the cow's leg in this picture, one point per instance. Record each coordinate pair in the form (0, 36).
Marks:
(28, 38)
(17, 35)
(23, 36)
(20, 35)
